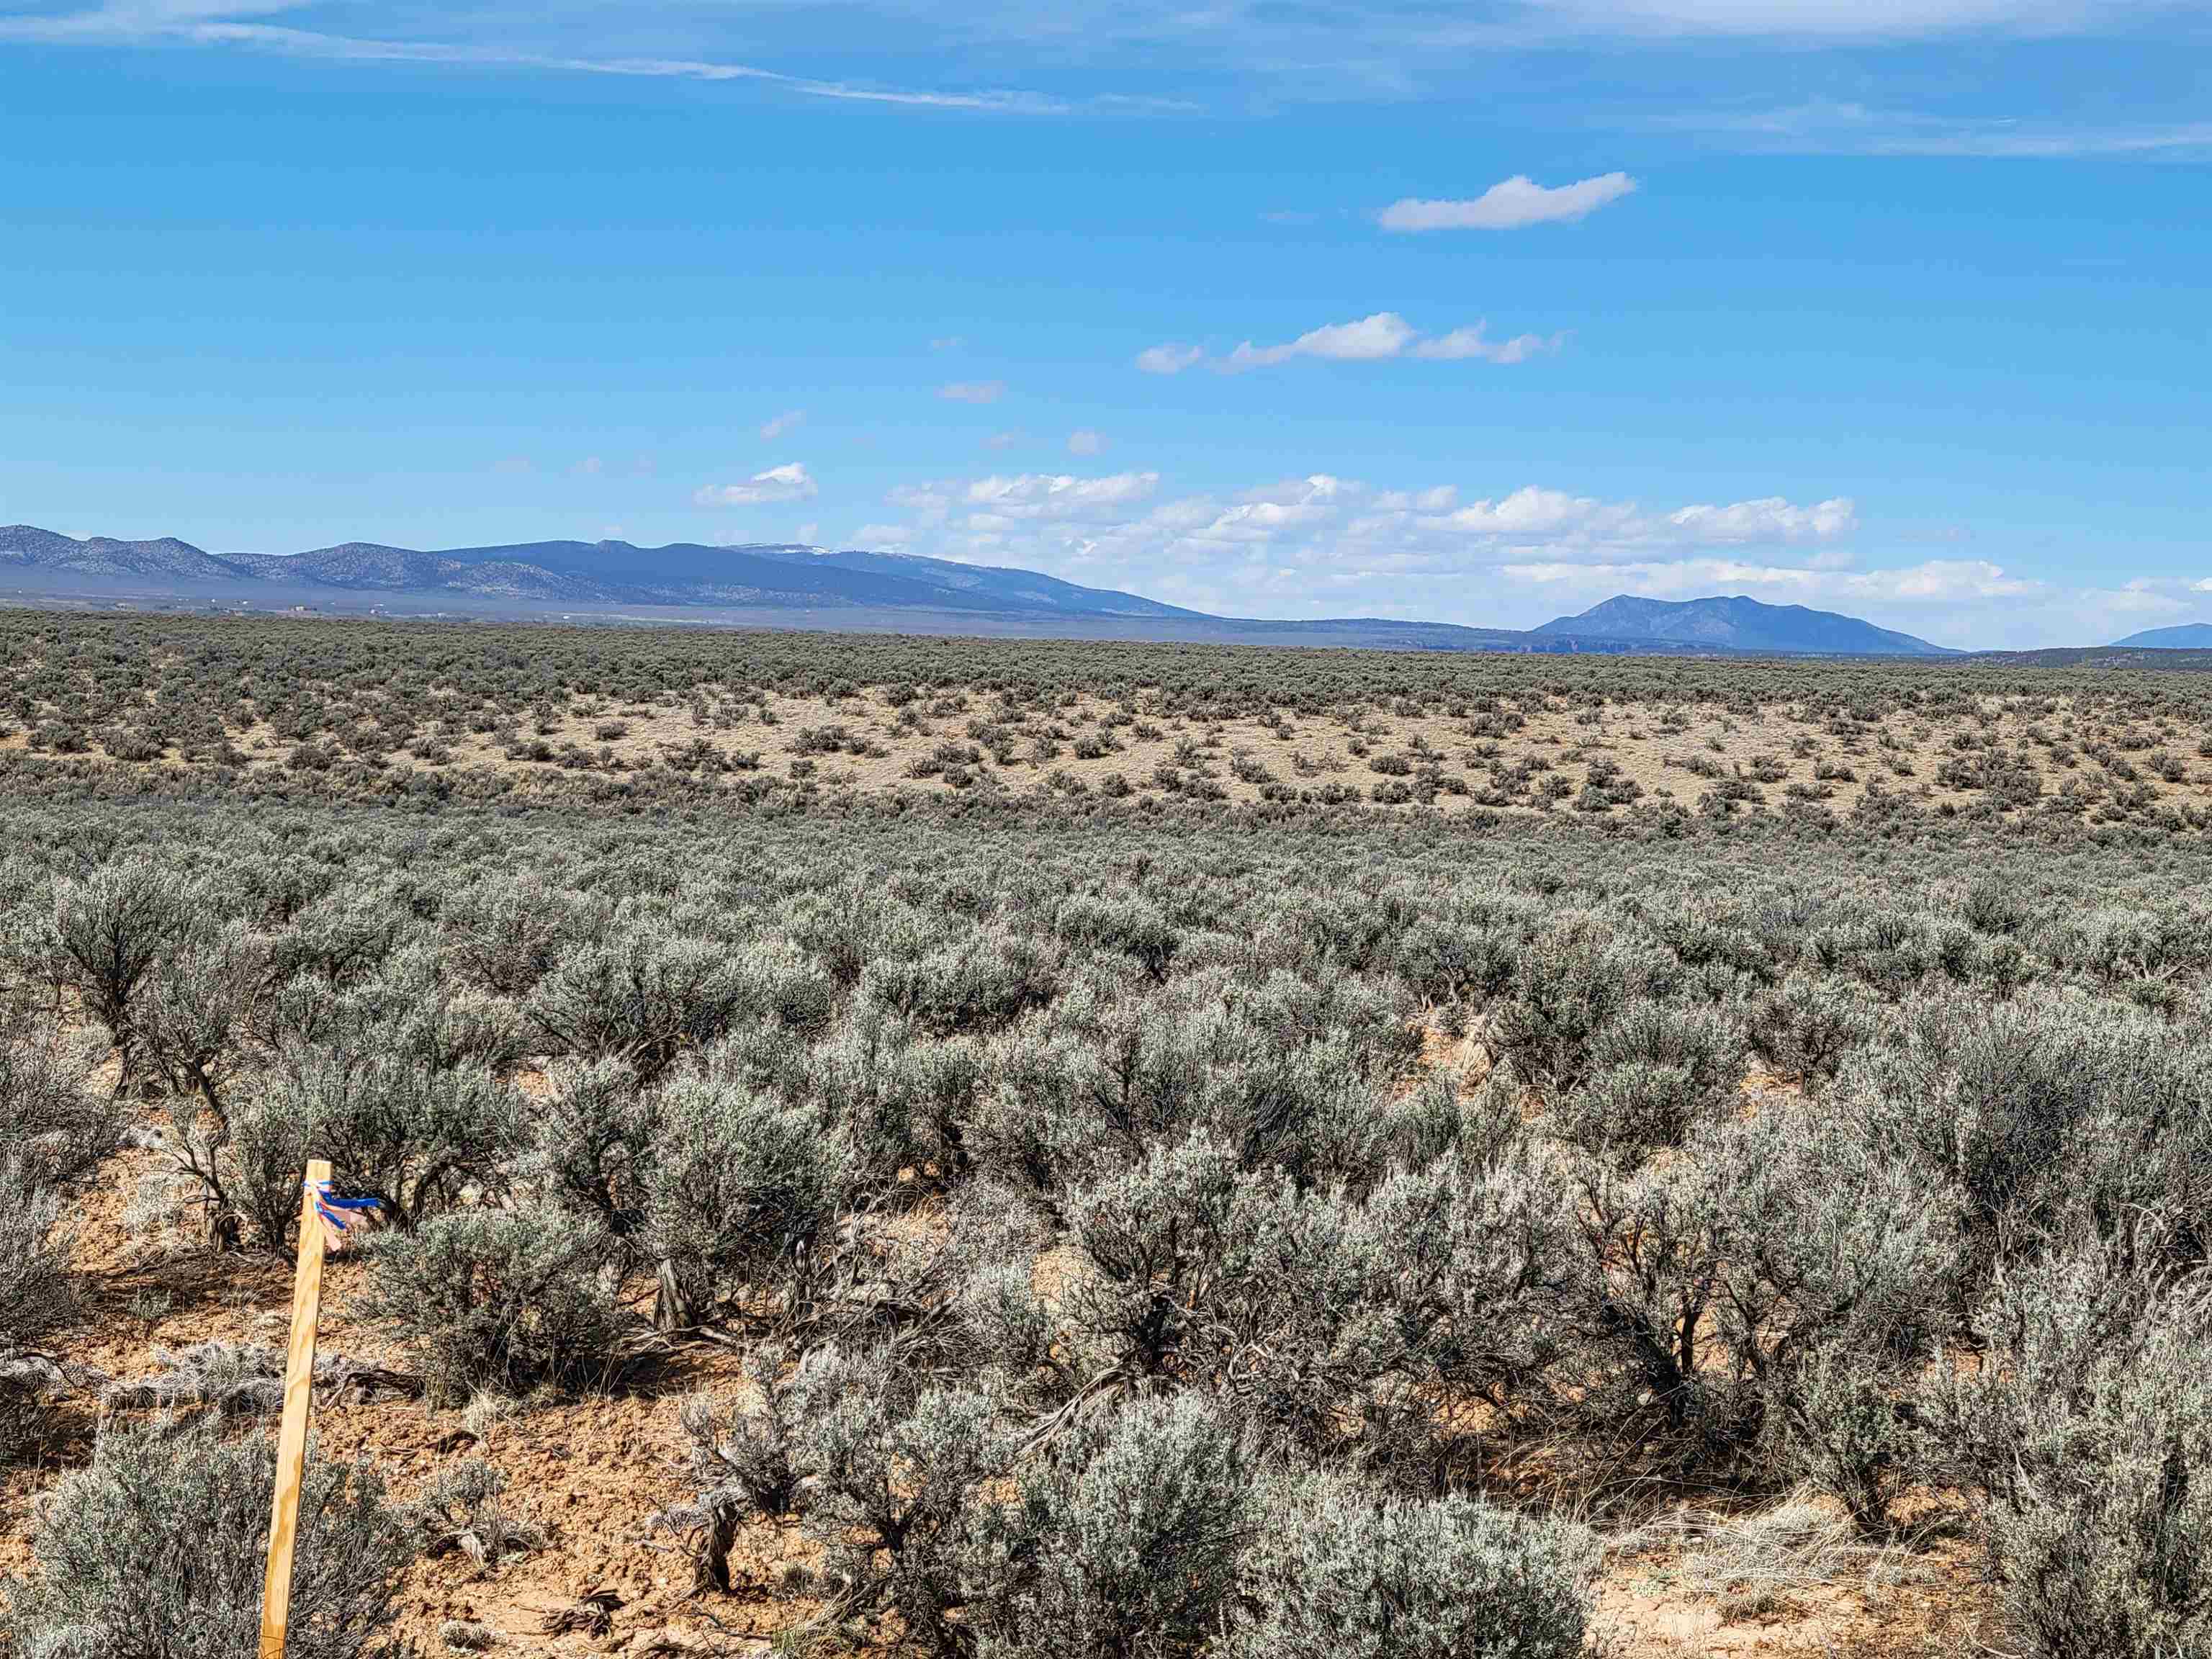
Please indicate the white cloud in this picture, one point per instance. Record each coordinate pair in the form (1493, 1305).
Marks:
(1771, 519)
(808, 531)
(1516, 202)
(1369, 340)
(776, 425)
(1040, 495)
(1378, 338)
(973, 392)
(948, 343)
(1002, 440)
(1084, 442)
(1325, 545)
(590, 466)
(1169, 359)
(787, 482)
(1466, 343)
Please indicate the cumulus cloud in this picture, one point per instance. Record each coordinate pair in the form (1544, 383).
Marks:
(1057, 497)
(1326, 545)
(1770, 520)
(1169, 359)
(776, 425)
(1084, 441)
(973, 392)
(787, 482)
(1510, 205)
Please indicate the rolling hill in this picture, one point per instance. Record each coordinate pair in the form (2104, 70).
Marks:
(785, 585)
(2183, 636)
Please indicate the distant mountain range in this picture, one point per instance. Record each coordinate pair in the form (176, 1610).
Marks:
(783, 586)
(1739, 624)
(2188, 637)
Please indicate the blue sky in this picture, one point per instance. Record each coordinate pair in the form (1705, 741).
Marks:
(1479, 313)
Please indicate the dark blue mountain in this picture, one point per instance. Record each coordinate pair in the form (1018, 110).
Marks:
(2184, 636)
(1737, 625)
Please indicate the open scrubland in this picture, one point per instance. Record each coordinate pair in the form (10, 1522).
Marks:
(1701, 1158)
(375, 711)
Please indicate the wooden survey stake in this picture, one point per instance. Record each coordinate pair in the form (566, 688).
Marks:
(292, 1438)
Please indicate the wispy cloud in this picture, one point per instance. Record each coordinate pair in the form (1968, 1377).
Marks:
(788, 482)
(1169, 359)
(1466, 343)
(1844, 20)
(1510, 205)
(1827, 127)
(776, 425)
(973, 392)
(1376, 338)
(212, 23)
(1084, 442)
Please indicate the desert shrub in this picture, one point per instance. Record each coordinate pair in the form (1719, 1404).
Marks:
(109, 928)
(503, 1299)
(1835, 1422)
(644, 998)
(1566, 986)
(1775, 1237)
(156, 1550)
(1469, 1257)
(506, 933)
(36, 1295)
(2089, 1427)
(741, 1185)
(2047, 1116)
(887, 1473)
(1805, 1027)
(1131, 1528)
(411, 1136)
(902, 1098)
(53, 1124)
(593, 1141)
(980, 981)
(1658, 1072)
(1152, 1236)
(1335, 1572)
(197, 1013)
(460, 1510)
